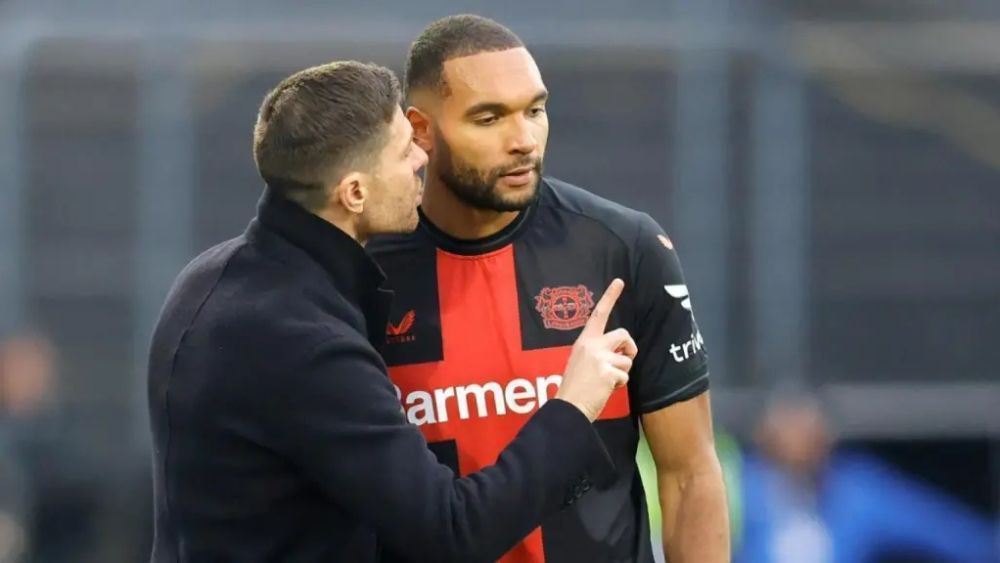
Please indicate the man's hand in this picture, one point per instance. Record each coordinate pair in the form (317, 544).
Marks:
(599, 362)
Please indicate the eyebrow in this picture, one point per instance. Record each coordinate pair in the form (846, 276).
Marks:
(497, 107)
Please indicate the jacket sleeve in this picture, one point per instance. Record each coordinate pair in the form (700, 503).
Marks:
(337, 416)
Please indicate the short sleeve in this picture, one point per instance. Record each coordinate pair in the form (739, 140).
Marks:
(672, 364)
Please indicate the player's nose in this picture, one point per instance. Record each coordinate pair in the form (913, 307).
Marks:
(522, 140)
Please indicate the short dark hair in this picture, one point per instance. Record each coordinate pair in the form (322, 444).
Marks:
(319, 121)
(449, 38)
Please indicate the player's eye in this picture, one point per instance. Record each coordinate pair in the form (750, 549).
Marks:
(536, 111)
(486, 120)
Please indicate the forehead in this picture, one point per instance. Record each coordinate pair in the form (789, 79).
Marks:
(493, 76)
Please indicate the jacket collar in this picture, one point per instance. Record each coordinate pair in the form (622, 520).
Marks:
(352, 269)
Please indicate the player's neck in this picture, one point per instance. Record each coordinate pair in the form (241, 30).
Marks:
(456, 218)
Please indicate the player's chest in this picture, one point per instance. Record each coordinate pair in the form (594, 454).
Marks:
(517, 307)
(487, 336)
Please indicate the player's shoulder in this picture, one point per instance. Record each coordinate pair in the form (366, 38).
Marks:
(619, 220)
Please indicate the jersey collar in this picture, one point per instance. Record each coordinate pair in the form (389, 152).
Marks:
(485, 245)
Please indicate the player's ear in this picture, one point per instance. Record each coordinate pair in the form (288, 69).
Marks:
(352, 192)
(421, 123)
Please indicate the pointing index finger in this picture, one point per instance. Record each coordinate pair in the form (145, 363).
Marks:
(598, 320)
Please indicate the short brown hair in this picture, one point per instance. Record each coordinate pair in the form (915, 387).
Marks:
(318, 122)
(449, 38)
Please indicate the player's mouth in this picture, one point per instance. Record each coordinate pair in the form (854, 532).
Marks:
(519, 177)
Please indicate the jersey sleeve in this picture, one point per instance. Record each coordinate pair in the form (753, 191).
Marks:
(672, 364)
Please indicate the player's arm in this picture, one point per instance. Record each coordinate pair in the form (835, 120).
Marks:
(689, 478)
(670, 383)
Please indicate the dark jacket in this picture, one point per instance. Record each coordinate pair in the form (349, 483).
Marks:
(279, 437)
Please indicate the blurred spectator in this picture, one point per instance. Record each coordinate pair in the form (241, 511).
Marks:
(805, 501)
(27, 376)
(50, 496)
(14, 514)
(27, 386)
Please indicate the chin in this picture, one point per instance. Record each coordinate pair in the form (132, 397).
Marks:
(520, 200)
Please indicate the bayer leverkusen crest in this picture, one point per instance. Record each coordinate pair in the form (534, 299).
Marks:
(565, 308)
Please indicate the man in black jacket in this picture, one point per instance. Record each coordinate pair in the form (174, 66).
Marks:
(277, 434)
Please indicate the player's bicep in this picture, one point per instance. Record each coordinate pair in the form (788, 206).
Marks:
(672, 364)
(680, 436)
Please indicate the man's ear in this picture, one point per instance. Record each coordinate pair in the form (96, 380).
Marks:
(352, 192)
(421, 123)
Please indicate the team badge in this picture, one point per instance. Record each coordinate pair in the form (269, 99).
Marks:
(565, 308)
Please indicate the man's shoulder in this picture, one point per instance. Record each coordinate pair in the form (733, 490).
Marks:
(199, 278)
(243, 289)
(616, 219)
(284, 299)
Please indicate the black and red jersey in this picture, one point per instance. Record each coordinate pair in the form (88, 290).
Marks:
(480, 332)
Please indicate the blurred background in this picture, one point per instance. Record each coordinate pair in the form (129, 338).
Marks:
(829, 171)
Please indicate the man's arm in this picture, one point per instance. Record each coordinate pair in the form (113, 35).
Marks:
(339, 420)
(689, 477)
(335, 415)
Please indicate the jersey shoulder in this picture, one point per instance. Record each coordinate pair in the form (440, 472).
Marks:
(622, 222)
